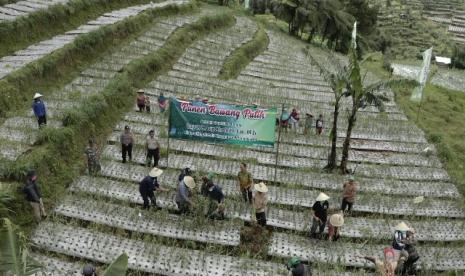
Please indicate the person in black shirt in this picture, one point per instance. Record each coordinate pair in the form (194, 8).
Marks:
(320, 214)
(216, 196)
(184, 172)
(297, 268)
(33, 196)
(147, 187)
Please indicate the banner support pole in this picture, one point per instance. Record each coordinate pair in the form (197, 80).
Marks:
(168, 141)
(277, 145)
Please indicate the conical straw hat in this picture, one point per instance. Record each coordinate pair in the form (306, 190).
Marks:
(322, 197)
(155, 172)
(189, 181)
(261, 187)
(337, 220)
(37, 95)
(402, 227)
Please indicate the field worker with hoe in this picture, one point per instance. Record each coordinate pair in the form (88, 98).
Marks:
(349, 190)
(147, 187)
(33, 196)
(320, 214)
(245, 182)
(93, 163)
(297, 268)
(152, 146)
(40, 111)
(259, 203)
(127, 140)
(184, 195)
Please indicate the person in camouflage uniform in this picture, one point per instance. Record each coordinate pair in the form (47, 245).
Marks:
(93, 163)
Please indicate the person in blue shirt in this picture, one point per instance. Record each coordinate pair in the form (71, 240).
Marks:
(38, 106)
(216, 196)
(147, 187)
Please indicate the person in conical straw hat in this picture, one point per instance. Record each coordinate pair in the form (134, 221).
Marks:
(400, 235)
(334, 226)
(39, 109)
(259, 202)
(184, 195)
(320, 215)
(148, 186)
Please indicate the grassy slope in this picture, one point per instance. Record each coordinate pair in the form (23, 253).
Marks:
(57, 19)
(442, 118)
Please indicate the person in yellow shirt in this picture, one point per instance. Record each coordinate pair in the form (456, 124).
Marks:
(245, 183)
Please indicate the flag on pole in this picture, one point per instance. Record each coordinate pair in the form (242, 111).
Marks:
(417, 93)
(354, 35)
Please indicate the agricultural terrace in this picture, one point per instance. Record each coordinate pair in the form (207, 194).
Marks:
(89, 77)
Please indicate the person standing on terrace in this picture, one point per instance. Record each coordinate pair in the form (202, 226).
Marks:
(162, 102)
(40, 111)
(93, 164)
(152, 147)
(127, 140)
(348, 194)
(294, 119)
(259, 203)
(245, 182)
(308, 123)
(33, 196)
(319, 125)
(140, 100)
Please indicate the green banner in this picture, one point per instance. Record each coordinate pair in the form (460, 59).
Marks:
(222, 123)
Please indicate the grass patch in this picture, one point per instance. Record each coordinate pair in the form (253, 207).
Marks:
(242, 56)
(441, 118)
(57, 19)
(59, 158)
(62, 65)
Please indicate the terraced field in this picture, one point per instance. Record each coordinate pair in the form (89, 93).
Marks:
(100, 217)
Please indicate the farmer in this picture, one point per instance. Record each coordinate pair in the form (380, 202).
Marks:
(319, 125)
(388, 266)
(349, 190)
(297, 268)
(162, 102)
(216, 205)
(152, 148)
(140, 100)
(184, 195)
(127, 140)
(206, 180)
(308, 123)
(40, 111)
(184, 172)
(33, 196)
(294, 119)
(409, 266)
(147, 104)
(320, 214)
(93, 164)
(260, 202)
(147, 187)
(334, 226)
(245, 182)
(400, 235)
(284, 119)
(89, 270)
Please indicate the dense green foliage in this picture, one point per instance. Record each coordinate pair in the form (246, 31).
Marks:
(458, 57)
(243, 55)
(57, 19)
(17, 88)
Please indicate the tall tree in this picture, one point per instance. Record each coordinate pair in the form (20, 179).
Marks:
(335, 73)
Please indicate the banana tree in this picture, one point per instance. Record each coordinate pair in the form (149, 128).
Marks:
(14, 255)
(362, 95)
(338, 78)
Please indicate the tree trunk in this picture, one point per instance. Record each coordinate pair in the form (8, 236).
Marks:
(346, 145)
(332, 156)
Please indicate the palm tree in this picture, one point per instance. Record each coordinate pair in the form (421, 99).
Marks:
(14, 255)
(336, 22)
(338, 79)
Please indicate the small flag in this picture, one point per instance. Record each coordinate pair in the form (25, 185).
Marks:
(354, 35)
(417, 93)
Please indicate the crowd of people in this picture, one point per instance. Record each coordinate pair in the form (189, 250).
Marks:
(399, 258)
